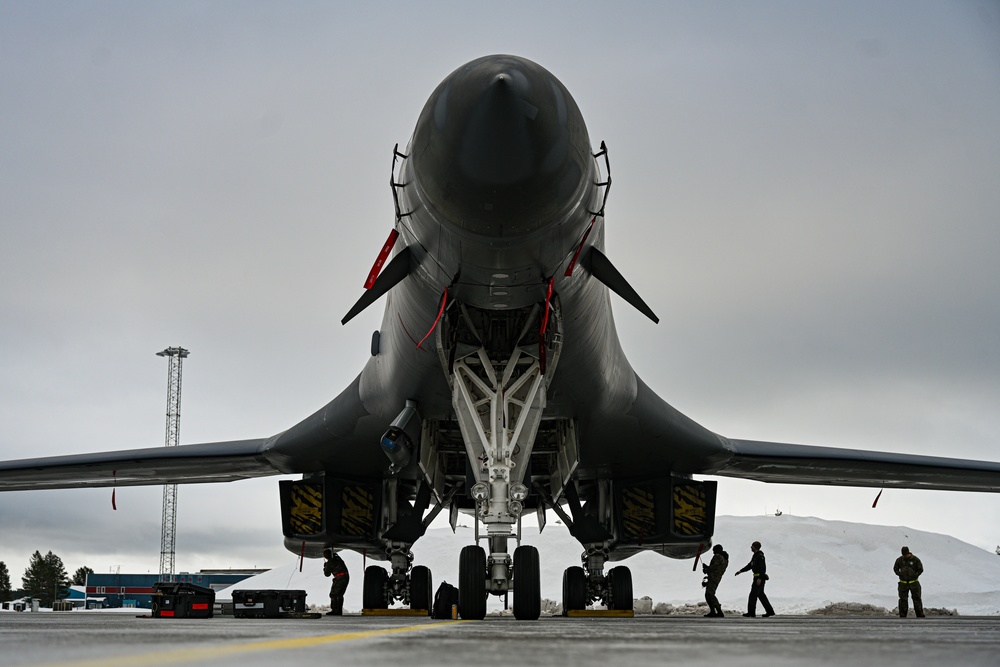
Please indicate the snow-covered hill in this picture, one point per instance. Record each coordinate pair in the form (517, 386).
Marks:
(811, 562)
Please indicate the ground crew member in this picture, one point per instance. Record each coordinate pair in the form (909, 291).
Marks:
(336, 568)
(759, 567)
(909, 568)
(714, 572)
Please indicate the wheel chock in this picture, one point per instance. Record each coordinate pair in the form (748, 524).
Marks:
(395, 612)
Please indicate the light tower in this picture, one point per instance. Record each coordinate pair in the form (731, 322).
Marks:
(175, 356)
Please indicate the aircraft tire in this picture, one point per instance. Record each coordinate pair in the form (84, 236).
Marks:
(574, 589)
(472, 583)
(373, 593)
(620, 583)
(527, 584)
(421, 588)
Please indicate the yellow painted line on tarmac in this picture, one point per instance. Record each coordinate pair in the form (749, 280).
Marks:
(210, 652)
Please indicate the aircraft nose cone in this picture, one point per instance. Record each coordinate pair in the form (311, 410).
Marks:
(496, 147)
(501, 148)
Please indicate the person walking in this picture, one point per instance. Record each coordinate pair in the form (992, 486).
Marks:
(714, 571)
(336, 567)
(759, 567)
(909, 568)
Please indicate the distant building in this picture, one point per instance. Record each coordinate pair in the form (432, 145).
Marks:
(136, 590)
(77, 595)
(20, 604)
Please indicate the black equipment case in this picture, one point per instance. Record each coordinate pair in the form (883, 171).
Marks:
(177, 600)
(268, 604)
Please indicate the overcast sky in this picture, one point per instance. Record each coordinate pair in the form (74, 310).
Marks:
(806, 193)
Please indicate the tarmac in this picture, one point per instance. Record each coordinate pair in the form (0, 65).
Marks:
(86, 639)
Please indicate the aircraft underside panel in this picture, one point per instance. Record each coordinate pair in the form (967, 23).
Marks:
(665, 511)
(329, 511)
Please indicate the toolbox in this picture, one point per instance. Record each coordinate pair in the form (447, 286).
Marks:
(176, 600)
(268, 603)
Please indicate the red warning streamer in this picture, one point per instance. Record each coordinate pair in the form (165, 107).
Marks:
(444, 301)
(114, 474)
(302, 555)
(548, 299)
(877, 497)
(377, 266)
(576, 255)
(544, 326)
(698, 557)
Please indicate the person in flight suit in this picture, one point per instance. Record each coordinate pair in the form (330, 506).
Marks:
(909, 568)
(336, 568)
(759, 567)
(714, 571)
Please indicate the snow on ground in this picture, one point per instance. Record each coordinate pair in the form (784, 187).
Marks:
(811, 562)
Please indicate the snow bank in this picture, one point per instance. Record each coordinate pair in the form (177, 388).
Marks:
(812, 563)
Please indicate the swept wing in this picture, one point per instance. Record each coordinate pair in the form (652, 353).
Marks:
(805, 464)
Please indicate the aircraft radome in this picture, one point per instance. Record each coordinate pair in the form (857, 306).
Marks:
(496, 383)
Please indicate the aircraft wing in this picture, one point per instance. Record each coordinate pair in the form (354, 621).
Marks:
(209, 462)
(804, 464)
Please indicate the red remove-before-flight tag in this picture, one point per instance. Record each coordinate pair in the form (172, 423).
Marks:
(377, 266)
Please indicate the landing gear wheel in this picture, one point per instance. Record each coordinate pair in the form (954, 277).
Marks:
(527, 584)
(574, 589)
(374, 588)
(421, 588)
(472, 583)
(620, 584)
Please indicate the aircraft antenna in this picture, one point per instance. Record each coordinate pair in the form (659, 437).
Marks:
(175, 357)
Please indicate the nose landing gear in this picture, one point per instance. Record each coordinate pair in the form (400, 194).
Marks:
(478, 577)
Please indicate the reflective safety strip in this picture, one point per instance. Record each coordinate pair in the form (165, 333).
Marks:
(907, 582)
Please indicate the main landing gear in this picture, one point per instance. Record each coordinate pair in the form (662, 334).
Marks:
(414, 588)
(584, 585)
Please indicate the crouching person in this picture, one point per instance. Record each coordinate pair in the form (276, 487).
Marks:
(334, 566)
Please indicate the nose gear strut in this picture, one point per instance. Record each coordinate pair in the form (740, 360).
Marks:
(498, 402)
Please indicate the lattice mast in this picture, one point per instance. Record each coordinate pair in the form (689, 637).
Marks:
(175, 357)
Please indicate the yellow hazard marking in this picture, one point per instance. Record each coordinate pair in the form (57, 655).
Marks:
(214, 652)
(690, 511)
(638, 512)
(357, 512)
(307, 509)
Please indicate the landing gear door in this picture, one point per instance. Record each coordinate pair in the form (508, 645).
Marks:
(692, 507)
(665, 510)
(334, 510)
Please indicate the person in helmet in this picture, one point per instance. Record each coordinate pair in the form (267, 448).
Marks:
(334, 566)
(759, 567)
(713, 575)
(909, 568)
